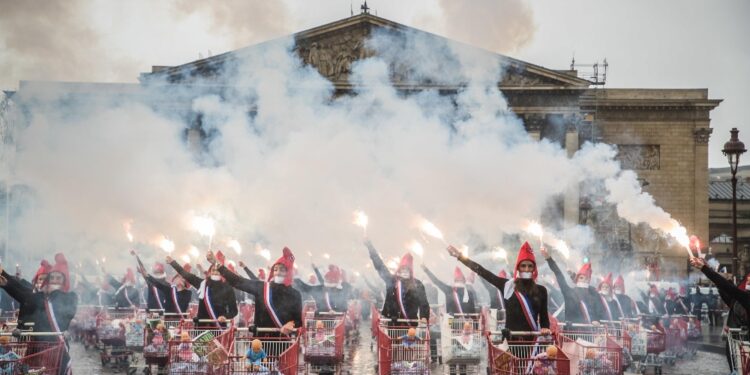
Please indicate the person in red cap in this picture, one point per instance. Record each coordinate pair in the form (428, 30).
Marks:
(458, 298)
(626, 307)
(176, 294)
(681, 305)
(126, 295)
(278, 304)
(329, 297)
(156, 299)
(655, 304)
(582, 302)
(405, 296)
(525, 300)
(54, 306)
(216, 297)
(608, 301)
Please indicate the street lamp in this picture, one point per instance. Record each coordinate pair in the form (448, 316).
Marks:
(732, 150)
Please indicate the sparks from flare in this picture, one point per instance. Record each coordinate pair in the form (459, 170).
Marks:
(166, 245)
(535, 229)
(194, 252)
(679, 233)
(185, 258)
(235, 245)
(431, 230)
(415, 247)
(128, 232)
(501, 253)
(563, 248)
(204, 225)
(265, 254)
(361, 220)
(327, 256)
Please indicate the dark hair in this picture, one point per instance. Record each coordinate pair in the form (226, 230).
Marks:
(527, 287)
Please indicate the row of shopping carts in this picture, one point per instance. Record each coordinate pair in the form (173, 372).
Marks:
(23, 351)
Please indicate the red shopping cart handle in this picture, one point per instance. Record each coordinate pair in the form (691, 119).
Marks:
(17, 333)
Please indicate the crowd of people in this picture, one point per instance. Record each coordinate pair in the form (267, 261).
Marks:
(49, 302)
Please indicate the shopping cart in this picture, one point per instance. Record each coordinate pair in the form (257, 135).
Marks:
(739, 350)
(204, 353)
(374, 325)
(155, 345)
(282, 352)
(308, 310)
(110, 333)
(8, 316)
(399, 354)
(461, 344)
(647, 345)
(353, 317)
(522, 353)
(28, 356)
(83, 326)
(591, 350)
(437, 311)
(323, 344)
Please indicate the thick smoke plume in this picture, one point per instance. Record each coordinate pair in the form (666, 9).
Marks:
(286, 163)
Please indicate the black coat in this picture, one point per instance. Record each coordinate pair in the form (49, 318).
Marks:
(125, 296)
(220, 295)
(156, 298)
(287, 301)
(326, 299)
(515, 319)
(454, 303)
(171, 294)
(573, 312)
(627, 305)
(414, 298)
(736, 298)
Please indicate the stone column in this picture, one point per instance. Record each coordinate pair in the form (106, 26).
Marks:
(572, 197)
(534, 123)
(700, 226)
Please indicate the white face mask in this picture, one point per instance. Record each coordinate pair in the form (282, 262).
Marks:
(279, 279)
(459, 285)
(618, 291)
(603, 293)
(404, 274)
(330, 285)
(53, 287)
(160, 275)
(216, 277)
(525, 275)
(582, 284)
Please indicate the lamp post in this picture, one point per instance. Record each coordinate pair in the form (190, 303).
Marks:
(732, 150)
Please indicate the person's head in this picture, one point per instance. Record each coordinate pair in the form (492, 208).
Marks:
(279, 271)
(526, 263)
(619, 286)
(411, 333)
(332, 278)
(468, 328)
(605, 287)
(214, 274)
(161, 327)
(283, 269)
(158, 270)
(58, 278)
(185, 337)
(256, 345)
(583, 277)
(40, 278)
(55, 281)
(4, 340)
(405, 268)
(319, 324)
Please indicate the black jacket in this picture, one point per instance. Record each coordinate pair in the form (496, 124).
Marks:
(220, 295)
(627, 305)
(287, 301)
(156, 298)
(454, 303)
(125, 296)
(738, 299)
(515, 318)
(573, 311)
(414, 298)
(171, 295)
(63, 304)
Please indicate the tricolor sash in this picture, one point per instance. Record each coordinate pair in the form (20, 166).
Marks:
(268, 301)
(457, 301)
(175, 301)
(585, 312)
(400, 298)
(528, 311)
(56, 327)
(123, 288)
(207, 303)
(635, 307)
(619, 307)
(328, 302)
(606, 307)
(156, 295)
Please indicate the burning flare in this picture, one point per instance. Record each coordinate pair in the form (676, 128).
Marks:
(501, 253)
(235, 245)
(264, 253)
(430, 229)
(185, 258)
(679, 233)
(361, 220)
(204, 225)
(535, 229)
(415, 247)
(128, 232)
(194, 252)
(166, 244)
(563, 248)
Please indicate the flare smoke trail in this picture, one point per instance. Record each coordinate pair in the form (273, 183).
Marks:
(292, 171)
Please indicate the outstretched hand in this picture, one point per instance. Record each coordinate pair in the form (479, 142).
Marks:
(544, 252)
(697, 262)
(168, 259)
(241, 264)
(210, 257)
(454, 252)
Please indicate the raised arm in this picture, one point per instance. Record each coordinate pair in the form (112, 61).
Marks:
(565, 289)
(254, 287)
(318, 274)
(160, 284)
(113, 282)
(193, 280)
(723, 284)
(21, 293)
(378, 264)
(302, 286)
(250, 274)
(484, 273)
(441, 285)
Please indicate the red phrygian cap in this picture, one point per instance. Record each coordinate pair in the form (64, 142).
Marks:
(61, 266)
(525, 253)
(44, 268)
(158, 268)
(607, 280)
(620, 282)
(407, 261)
(502, 274)
(129, 276)
(333, 275)
(287, 259)
(458, 275)
(585, 271)
(261, 273)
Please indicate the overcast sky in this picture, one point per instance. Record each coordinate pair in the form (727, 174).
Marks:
(650, 44)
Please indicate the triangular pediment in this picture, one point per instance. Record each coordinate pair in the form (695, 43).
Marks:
(333, 48)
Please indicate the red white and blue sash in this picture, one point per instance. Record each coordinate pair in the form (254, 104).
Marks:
(328, 302)
(156, 295)
(585, 312)
(268, 300)
(619, 307)
(56, 327)
(174, 300)
(527, 311)
(606, 307)
(635, 307)
(457, 301)
(207, 303)
(400, 298)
